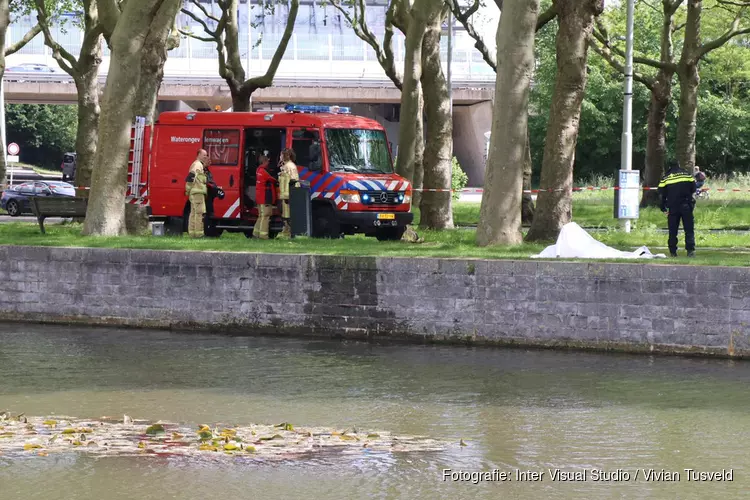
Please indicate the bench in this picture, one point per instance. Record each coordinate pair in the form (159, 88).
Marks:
(63, 206)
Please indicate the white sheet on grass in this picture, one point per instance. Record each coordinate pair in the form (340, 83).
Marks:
(574, 242)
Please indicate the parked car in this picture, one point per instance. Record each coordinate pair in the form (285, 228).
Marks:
(31, 68)
(15, 200)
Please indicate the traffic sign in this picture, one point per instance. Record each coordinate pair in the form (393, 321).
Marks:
(13, 149)
(12, 159)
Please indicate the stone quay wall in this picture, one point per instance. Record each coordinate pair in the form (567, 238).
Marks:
(624, 307)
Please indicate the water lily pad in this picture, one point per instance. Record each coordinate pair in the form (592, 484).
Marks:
(269, 438)
(277, 442)
(154, 429)
(31, 446)
(50, 423)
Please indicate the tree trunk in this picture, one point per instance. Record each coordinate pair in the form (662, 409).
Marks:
(685, 146)
(418, 160)
(687, 73)
(4, 23)
(153, 57)
(87, 87)
(411, 133)
(554, 209)
(656, 144)
(509, 158)
(435, 207)
(527, 202)
(240, 100)
(105, 215)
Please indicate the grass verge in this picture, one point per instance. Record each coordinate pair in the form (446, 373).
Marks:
(725, 249)
(722, 211)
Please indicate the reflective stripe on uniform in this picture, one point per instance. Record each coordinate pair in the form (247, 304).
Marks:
(674, 179)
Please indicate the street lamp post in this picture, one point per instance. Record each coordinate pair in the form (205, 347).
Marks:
(2, 130)
(449, 81)
(249, 44)
(627, 108)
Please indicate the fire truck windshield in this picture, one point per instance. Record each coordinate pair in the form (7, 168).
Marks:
(358, 150)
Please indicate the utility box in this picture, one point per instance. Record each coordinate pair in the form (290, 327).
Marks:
(157, 228)
(301, 209)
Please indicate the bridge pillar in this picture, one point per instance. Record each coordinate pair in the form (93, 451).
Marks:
(470, 123)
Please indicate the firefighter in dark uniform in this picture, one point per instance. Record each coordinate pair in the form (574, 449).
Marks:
(265, 198)
(676, 189)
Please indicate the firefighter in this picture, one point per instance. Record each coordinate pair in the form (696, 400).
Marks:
(196, 190)
(288, 177)
(677, 188)
(265, 198)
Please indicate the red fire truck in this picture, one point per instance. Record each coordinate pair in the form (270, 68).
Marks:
(345, 160)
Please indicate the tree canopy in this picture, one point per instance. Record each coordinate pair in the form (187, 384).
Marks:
(43, 131)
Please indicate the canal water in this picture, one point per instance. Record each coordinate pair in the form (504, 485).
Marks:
(514, 409)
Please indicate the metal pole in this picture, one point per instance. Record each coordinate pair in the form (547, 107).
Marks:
(2, 132)
(249, 44)
(450, 89)
(627, 107)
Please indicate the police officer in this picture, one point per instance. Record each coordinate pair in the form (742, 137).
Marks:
(677, 188)
(265, 198)
(195, 189)
(288, 176)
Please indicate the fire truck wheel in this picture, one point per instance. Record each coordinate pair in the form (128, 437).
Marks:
(325, 224)
(210, 229)
(390, 233)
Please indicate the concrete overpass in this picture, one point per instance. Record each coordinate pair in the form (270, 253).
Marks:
(58, 88)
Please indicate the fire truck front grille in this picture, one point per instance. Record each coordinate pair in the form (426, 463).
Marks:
(380, 197)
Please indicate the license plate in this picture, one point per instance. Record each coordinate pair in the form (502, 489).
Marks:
(386, 216)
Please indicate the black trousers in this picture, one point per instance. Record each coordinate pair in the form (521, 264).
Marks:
(682, 213)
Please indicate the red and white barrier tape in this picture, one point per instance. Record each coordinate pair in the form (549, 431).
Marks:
(534, 191)
(575, 189)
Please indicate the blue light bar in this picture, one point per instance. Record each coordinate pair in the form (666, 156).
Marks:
(313, 108)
